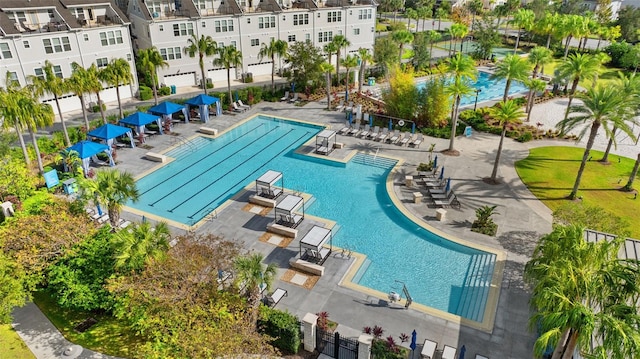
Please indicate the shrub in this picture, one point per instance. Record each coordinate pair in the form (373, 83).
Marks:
(525, 137)
(282, 326)
(146, 93)
(164, 91)
(484, 223)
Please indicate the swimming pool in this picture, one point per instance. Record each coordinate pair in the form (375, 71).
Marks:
(489, 89)
(438, 273)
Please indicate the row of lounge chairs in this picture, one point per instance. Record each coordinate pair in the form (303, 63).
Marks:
(382, 135)
(440, 195)
(288, 98)
(448, 352)
(238, 106)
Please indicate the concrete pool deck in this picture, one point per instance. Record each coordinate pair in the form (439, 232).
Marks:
(522, 219)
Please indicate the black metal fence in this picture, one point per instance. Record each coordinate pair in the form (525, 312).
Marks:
(335, 345)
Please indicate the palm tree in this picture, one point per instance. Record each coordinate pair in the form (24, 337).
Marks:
(10, 113)
(117, 73)
(441, 13)
(275, 48)
(95, 85)
(204, 46)
(113, 188)
(70, 161)
(523, 19)
(570, 26)
(547, 25)
(149, 60)
(538, 57)
(411, 14)
(402, 37)
(534, 86)
(507, 113)
(602, 107)
(632, 177)
(576, 68)
(464, 70)
(424, 12)
(581, 289)
(349, 62)
(252, 275)
(457, 31)
(628, 87)
(34, 115)
(229, 57)
(365, 58)
(54, 85)
(136, 245)
(78, 85)
(512, 67)
(340, 42)
(433, 37)
(327, 69)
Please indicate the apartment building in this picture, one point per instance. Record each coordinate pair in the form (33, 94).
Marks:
(63, 31)
(245, 24)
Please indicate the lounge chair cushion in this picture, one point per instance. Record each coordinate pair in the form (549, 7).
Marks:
(429, 349)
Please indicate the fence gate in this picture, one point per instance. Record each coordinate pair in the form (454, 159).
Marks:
(335, 345)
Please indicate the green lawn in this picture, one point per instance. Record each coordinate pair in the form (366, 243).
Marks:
(550, 172)
(108, 336)
(11, 346)
(607, 75)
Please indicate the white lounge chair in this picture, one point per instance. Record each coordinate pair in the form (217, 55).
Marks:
(276, 296)
(394, 137)
(294, 98)
(340, 106)
(417, 141)
(428, 349)
(374, 134)
(355, 130)
(406, 139)
(285, 97)
(365, 132)
(383, 134)
(237, 109)
(449, 352)
(242, 105)
(478, 356)
(345, 129)
(349, 107)
(365, 117)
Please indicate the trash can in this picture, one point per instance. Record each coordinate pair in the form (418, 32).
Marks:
(70, 186)
(372, 81)
(173, 89)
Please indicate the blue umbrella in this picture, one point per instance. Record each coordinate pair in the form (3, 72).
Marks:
(462, 351)
(293, 87)
(413, 127)
(435, 162)
(414, 339)
(237, 96)
(442, 173)
(390, 124)
(370, 120)
(350, 117)
(448, 186)
(99, 209)
(144, 219)
(346, 94)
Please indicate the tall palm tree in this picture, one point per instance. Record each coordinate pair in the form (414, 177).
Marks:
(149, 60)
(534, 86)
(547, 25)
(70, 161)
(36, 115)
(629, 87)
(113, 188)
(602, 107)
(538, 57)
(78, 85)
(95, 85)
(512, 67)
(327, 69)
(252, 274)
(340, 42)
(204, 46)
(228, 57)
(349, 63)
(632, 176)
(117, 73)
(440, 14)
(457, 31)
(524, 20)
(402, 37)
(424, 12)
(10, 113)
(138, 244)
(570, 26)
(433, 37)
(411, 14)
(507, 113)
(365, 58)
(54, 85)
(581, 289)
(464, 71)
(576, 68)
(273, 49)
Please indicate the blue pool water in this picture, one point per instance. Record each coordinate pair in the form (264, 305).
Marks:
(438, 273)
(490, 89)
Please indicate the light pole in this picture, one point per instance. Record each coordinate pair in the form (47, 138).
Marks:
(475, 104)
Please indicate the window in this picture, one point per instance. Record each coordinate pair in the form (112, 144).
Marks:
(364, 14)
(266, 22)
(18, 16)
(307, 37)
(233, 43)
(128, 57)
(85, 37)
(325, 36)
(248, 20)
(13, 77)
(57, 44)
(223, 25)
(220, 44)
(255, 42)
(204, 24)
(171, 53)
(204, 4)
(155, 7)
(334, 16)
(161, 27)
(26, 44)
(39, 73)
(182, 29)
(5, 51)
(111, 37)
(57, 71)
(102, 62)
(291, 38)
(356, 31)
(301, 19)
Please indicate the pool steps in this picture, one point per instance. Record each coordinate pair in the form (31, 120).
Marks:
(477, 284)
(371, 160)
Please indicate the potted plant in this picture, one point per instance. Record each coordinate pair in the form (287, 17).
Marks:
(484, 223)
(429, 166)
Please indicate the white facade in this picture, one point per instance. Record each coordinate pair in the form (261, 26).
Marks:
(63, 32)
(245, 24)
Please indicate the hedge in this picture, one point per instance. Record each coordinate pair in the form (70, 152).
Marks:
(284, 327)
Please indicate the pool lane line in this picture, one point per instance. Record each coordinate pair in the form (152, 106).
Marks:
(208, 169)
(250, 174)
(203, 158)
(231, 170)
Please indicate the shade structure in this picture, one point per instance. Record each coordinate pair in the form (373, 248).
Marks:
(390, 124)
(441, 173)
(108, 132)
(350, 117)
(87, 149)
(202, 100)
(448, 186)
(413, 127)
(414, 339)
(140, 119)
(462, 351)
(168, 108)
(435, 162)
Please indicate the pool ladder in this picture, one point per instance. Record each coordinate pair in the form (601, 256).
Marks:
(213, 214)
(346, 251)
(181, 140)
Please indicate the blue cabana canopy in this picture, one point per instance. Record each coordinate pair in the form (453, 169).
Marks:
(202, 100)
(139, 119)
(166, 108)
(88, 149)
(108, 132)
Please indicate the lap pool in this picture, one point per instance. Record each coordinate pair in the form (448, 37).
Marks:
(438, 273)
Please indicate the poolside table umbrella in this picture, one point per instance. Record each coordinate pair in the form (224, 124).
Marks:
(99, 209)
(462, 351)
(237, 97)
(435, 162)
(441, 173)
(390, 124)
(448, 186)
(346, 94)
(414, 339)
(350, 117)
(413, 127)
(371, 120)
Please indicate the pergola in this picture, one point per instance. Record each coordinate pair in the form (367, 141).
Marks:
(265, 185)
(285, 211)
(312, 247)
(324, 144)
